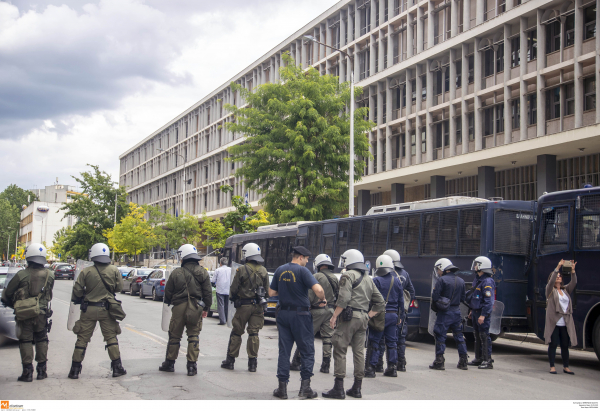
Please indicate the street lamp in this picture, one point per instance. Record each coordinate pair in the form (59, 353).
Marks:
(184, 176)
(351, 171)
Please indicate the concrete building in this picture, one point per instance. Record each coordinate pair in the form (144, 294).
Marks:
(56, 193)
(487, 98)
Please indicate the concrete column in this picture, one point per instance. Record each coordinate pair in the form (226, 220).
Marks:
(452, 129)
(408, 101)
(349, 66)
(578, 84)
(409, 35)
(479, 12)
(356, 64)
(466, 15)
(452, 75)
(419, 29)
(477, 66)
(419, 89)
(381, 11)
(454, 19)
(407, 144)
(429, 88)
(373, 15)
(388, 149)
(578, 46)
(507, 53)
(428, 137)
(486, 182)
(304, 46)
(478, 124)
(380, 145)
(464, 71)
(430, 24)
(364, 201)
(546, 174)
(342, 30)
(391, 8)
(357, 23)
(397, 193)
(418, 140)
(438, 187)
(350, 25)
(507, 115)
(329, 39)
(541, 80)
(389, 101)
(372, 51)
(380, 50)
(509, 5)
(390, 48)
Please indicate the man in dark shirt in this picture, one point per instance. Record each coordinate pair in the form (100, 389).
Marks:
(452, 287)
(291, 283)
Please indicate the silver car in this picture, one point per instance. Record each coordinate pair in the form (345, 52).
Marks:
(7, 318)
(134, 279)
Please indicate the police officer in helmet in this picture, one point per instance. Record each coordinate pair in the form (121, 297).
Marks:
(188, 289)
(481, 302)
(94, 286)
(32, 282)
(451, 287)
(248, 289)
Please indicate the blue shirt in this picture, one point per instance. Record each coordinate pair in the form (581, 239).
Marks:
(406, 283)
(396, 299)
(292, 282)
(444, 287)
(482, 297)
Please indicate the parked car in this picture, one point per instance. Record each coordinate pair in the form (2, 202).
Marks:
(134, 279)
(64, 271)
(125, 270)
(54, 266)
(154, 285)
(3, 272)
(8, 329)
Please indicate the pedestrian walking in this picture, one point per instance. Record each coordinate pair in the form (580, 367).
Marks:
(560, 328)
(222, 281)
(291, 282)
(29, 292)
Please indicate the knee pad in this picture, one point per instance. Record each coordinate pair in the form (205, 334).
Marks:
(110, 345)
(327, 343)
(252, 335)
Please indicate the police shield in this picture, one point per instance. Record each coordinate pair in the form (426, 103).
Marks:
(496, 317)
(8, 326)
(75, 309)
(432, 314)
(231, 309)
(166, 309)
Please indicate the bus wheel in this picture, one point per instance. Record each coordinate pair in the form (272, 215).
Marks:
(596, 337)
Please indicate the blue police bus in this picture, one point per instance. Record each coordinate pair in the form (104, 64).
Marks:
(422, 232)
(568, 227)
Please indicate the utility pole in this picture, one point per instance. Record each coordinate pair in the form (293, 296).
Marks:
(115, 223)
(8, 246)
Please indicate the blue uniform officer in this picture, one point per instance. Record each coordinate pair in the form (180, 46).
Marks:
(481, 302)
(291, 283)
(452, 287)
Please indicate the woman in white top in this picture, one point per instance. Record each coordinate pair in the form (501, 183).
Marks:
(559, 321)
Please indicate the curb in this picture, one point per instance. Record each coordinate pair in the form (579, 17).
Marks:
(530, 338)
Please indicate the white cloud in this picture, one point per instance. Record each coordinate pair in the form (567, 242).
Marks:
(81, 83)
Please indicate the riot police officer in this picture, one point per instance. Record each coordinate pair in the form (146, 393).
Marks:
(291, 282)
(389, 285)
(188, 289)
(248, 288)
(452, 287)
(481, 302)
(93, 287)
(357, 292)
(322, 315)
(34, 281)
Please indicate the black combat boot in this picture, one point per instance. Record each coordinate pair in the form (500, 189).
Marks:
(402, 364)
(41, 370)
(369, 369)
(477, 361)
(281, 392)
(390, 371)
(167, 366)
(27, 375)
(486, 364)
(252, 363)
(192, 368)
(325, 365)
(228, 363)
(337, 392)
(75, 370)
(117, 368)
(438, 364)
(295, 364)
(355, 390)
(462, 362)
(306, 391)
(379, 366)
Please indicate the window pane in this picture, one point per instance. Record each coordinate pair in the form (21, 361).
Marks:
(380, 236)
(447, 233)
(470, 232)
(411, 238)
(555, 226)
(429, 234)
(398, 227)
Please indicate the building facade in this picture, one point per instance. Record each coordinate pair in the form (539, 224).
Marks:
(487, 98)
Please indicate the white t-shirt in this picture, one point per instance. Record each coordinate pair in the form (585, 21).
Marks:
(222, 277)
(564, 304)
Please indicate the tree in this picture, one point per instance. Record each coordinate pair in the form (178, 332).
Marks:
(12, 200)
(297, 147)
(133, 235)
(59, 244)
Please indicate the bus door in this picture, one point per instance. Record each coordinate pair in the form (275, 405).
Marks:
(555, 222)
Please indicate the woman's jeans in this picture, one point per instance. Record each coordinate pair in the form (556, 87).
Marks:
(559, 336)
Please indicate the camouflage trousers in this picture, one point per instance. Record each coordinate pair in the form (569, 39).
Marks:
(253, 317)
(32, 332)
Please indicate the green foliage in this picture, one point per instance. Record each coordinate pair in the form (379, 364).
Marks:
(133, 235)
(297, 147)
(59, 244)
(12, 199)
(173, 231)
(238, 220)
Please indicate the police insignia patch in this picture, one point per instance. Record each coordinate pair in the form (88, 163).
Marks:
(488, 293)
(342, 281)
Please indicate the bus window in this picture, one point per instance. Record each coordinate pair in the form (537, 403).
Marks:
(380, 236)
(398, 226)
(410, 245)
(429, 235)
(587, 231)
(512, 231)
(347, 237)
(555, 226)
(447, 235)
(469, 240)
(313, 241)
(328, 244)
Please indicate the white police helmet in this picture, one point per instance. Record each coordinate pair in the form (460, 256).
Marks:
(395, 258)
(100, 253)
(188, 252)
(36, 253)
(323, 259)
(251, 252)
(445, 265)
(482, 263)
(384, 265)
(353, 260)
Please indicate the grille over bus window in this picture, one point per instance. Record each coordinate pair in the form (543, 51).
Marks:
(587, 231)
(404, 234)
(439, 233)
(555, 230)
(512, 231)
(313, 240)
(469, 239)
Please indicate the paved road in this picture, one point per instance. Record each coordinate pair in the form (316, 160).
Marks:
(521, 369)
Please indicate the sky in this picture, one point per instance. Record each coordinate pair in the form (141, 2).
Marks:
(81, 82)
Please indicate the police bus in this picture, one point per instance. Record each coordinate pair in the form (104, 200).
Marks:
(459, 228)
(568, 227)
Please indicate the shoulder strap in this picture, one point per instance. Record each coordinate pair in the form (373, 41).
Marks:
(187, 284)
(390, 290)
(104, 282)
(43, 290)
(248, 270)
(357, 283)
(335, 294)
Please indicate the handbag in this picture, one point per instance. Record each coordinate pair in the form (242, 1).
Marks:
(113, 306)
(30, 307)
(443, 303)
(377, 322)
